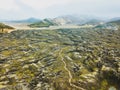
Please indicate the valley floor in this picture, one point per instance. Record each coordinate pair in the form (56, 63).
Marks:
(60, 59)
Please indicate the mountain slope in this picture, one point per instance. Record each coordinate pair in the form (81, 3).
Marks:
(94, 22)
(114, 25)
(75, 19)
(67, 20)
(43, 23)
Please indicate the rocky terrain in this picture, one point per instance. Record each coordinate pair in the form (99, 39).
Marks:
(63, 59)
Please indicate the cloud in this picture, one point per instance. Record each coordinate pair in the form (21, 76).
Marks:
(8, 5)
(43, 4)
(53, 8)
(40, 4)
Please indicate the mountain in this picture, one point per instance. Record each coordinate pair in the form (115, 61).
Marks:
(67, 20)
(112, 25)
(114, 19)
(43, 23)
(29, 20)
(116, 22)
(62, 20)
(75, 19)
(95, 22)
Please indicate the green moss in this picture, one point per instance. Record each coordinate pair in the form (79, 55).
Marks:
(104, 85)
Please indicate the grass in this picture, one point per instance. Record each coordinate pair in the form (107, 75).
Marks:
(34, 57)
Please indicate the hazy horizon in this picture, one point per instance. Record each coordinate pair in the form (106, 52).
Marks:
(21, 9)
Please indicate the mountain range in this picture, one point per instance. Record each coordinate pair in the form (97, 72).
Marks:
(78, 20)
(29, 20)
(69, 20)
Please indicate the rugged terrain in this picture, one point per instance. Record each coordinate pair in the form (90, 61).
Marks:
(63, 59)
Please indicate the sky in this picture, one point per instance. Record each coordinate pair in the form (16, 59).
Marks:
(21, 9)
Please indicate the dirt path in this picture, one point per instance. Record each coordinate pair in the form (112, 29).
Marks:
(69, 73)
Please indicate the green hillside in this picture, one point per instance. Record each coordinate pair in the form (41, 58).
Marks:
(44, 23)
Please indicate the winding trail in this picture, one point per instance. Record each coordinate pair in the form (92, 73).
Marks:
(69, 73)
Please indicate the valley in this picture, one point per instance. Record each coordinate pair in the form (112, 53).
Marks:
(59, 45)
(60, 59)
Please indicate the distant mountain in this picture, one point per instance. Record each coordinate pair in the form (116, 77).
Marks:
(29, 20)
(95, 22)
(43, 23)
(67, 20)
(76, 19)
(62, 20)
(116, 22)
(114, 19)
(112, 25)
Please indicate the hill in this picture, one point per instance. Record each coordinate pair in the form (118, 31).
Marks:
(114, 25)
(94, 22)
(43, 23)
(75, 19)
(4, 27)
(67, 20)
